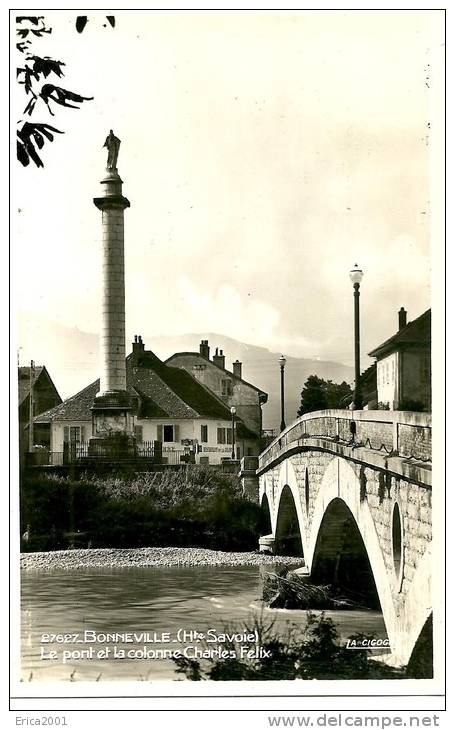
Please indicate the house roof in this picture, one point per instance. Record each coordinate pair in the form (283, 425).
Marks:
(164, 392)
(76, 408)
(228, 372)
(40, 373)
(415, 334)
(24, 380)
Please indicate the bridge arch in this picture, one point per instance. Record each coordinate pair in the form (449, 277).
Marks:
(340, 557)
(404, 616)
(288, 481)
(386, 503)
(340, 482)
(288, 537)
(266, 518)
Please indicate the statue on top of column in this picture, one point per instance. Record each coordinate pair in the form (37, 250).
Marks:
(113, 145)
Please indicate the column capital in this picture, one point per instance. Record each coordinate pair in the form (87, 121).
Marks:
(107, 202)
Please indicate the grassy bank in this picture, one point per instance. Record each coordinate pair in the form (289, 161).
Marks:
(192, 507)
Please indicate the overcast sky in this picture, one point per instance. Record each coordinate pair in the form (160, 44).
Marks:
(263, 156)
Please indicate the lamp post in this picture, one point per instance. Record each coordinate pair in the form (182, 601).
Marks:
(282, 362)
(233, 432)
(356, 276)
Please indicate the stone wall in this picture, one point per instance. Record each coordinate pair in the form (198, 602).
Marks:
(372, 495)
(413, 441)
(401, 432)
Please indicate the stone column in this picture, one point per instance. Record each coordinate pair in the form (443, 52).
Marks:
(112, 404)
(112, 205)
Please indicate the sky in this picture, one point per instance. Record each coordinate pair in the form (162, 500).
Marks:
(263, 155)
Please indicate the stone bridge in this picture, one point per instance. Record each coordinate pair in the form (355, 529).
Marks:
(350, 492)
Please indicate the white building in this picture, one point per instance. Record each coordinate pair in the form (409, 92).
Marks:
(403, 365)
(169, 406)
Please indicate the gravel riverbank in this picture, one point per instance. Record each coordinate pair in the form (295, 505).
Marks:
(143, 557)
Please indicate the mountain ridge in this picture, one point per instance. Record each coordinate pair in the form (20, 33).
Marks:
(71, 358)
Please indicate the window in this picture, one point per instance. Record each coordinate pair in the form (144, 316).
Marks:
(138, 434)
(168, 433)
(73, 435)
(204, 434)
(204, 460)
(224, 436)
(226, 387)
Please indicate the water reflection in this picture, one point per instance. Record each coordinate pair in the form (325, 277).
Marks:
(146, 599)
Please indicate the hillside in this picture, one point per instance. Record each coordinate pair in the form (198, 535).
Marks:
(71, 357)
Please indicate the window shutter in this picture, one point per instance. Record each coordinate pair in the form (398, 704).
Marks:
(176, 433)
(138, 433)
(159, 433)
(82, 433)
(66, 434)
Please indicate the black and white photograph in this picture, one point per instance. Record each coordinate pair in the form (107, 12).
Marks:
(227, 250)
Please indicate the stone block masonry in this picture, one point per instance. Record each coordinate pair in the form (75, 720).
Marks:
(111, 406)
(358, 511)
(112, 356)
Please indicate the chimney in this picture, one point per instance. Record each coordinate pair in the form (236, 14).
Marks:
(237, 369)
(402, 315)
(204, 349)
(138, 347)
(219, 359)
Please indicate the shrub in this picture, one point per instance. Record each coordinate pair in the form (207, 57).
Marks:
(193, 506)
(314, 654)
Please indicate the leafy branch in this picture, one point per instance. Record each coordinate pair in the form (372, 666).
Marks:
(30, 75)
(30, 137)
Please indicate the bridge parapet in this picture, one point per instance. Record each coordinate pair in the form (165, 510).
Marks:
(247, 474)
(396, 433)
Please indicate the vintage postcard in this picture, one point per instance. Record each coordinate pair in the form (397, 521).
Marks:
(227, 247)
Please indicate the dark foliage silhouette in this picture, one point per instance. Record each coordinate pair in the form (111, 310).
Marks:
(316, 652)
(31, 73)
(82, 20)
(30, 137)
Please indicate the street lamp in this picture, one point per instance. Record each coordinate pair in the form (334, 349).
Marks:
(356, 276)
(282, 362)
(233, 432)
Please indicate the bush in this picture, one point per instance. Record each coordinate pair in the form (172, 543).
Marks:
(192, 507)
(315, 654)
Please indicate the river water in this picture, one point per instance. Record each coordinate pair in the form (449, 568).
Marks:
(153, 600)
